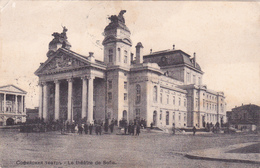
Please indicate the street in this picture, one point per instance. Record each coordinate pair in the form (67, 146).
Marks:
(52, 149)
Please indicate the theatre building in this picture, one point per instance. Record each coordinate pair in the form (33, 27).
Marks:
(12, 106)
(163, 87)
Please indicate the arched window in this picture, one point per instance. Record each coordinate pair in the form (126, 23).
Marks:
(138, 93)
(167, 117)
(119, 54)
(155, 93)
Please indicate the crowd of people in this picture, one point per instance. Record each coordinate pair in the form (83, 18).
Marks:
(133, 128)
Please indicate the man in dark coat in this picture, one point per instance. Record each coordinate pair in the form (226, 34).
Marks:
(138, 129)
(125, 127)
(111, 126)
(194, 130)
(90, 128)
(86, 128)
(80, 129)
(133, 129)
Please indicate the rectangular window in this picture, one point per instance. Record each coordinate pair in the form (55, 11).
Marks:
(194, 79)
(188, 77)
(125, 57)
(173, 100)
(109, 97)
(110, 55)
(109, 84)
(184, 117)
(125, 85)
(119, 54)
(167, 118)
(138, 94)
(161, 97)
(160, 115)
(167, 99)
(125, 96)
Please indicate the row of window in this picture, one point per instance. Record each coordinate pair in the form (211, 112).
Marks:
(173, 117)
(188, 79)
(110, 84)
(211, 97)
(111, 54)
(167, 98)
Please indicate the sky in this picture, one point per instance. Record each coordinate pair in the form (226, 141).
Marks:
(224, 35)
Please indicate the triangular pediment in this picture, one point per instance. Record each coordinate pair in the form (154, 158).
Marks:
(63, 60)
(12, 88)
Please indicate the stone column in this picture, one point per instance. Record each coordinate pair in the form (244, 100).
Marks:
(84, 97)
(22, 104)
(45, 102)
(16, 105)
(57, 100)
(90, 98)
(4, 102)
(70, 118)
(40, 100)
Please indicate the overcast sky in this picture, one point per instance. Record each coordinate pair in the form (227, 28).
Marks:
(224, 35)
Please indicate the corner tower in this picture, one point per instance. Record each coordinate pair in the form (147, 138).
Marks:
(117, 43)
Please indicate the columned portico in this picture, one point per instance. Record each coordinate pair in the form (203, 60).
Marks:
(57, 100)
(12, 105)
(90, 98)
(70, 112)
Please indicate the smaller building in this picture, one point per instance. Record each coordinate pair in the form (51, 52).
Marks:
(12, 105)
(245, 117)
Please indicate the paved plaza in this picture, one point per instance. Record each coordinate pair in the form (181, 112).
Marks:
(153, 149)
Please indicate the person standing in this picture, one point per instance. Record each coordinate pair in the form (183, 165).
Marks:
(173, 128)
(151, 125)
(80, 129)
(86, 128)
(133, 129)
(90, 128)
(125, 127)
(138, 129)
(111, 126)
(194, 130)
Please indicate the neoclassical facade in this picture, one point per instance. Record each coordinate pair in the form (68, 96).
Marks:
(12, 106)
(163, 87)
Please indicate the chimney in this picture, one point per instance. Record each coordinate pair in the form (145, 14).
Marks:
(173, 46)
(151, 51)
(194, 59)
(139, 53)
(132, 57)
(91, 57)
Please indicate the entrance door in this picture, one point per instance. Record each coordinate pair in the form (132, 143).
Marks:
(155, 118)
(125, 115)
(10, 121)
